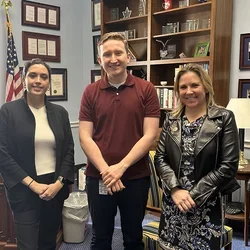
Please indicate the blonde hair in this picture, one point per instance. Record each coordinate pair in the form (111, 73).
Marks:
(205, 80)
(112, 36)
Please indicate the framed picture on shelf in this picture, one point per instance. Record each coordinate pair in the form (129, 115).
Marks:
(45, 46)
(95, 75)
(40, 15)
(244, 51)
(95, 42)
(201, 49)
(132, 53)
(96, 15)
(244, 88)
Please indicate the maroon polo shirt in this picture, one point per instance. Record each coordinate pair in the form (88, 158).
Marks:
(117, 116)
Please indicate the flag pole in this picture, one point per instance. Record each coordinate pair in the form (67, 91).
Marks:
(7, 4)
(14, 86)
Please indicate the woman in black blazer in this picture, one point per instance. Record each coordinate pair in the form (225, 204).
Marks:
(36, 159)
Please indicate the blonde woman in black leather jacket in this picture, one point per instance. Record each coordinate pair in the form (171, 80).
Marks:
(196, 161)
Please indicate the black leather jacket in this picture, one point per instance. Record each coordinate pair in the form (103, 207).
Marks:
(216, 155)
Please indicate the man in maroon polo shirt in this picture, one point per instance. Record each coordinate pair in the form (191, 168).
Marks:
(119, 119)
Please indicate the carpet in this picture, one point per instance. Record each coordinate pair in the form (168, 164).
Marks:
(116, 243)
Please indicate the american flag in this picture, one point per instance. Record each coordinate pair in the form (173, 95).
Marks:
(14, 86)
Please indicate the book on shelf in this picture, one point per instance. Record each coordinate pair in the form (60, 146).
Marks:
(166, 97)
(170, 99)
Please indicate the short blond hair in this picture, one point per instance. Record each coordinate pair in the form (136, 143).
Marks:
(205, 80)
(112, 36)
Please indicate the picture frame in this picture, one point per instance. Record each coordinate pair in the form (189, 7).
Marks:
(58, 90)
(96, 15)
(201, 49)
(132, 53)
(244, 62)
(96, 39)
(244, 88)
(40, 15)
(95, 75)
(130, 34)
(45, 46)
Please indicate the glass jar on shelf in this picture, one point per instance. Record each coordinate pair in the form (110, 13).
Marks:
(142, 7)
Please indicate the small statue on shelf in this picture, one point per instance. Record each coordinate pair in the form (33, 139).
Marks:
(127, 13)
(163, 51)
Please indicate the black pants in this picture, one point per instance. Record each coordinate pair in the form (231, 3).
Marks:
(37, 228)
(103, 208)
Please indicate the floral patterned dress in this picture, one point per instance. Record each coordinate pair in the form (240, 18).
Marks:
(200, 227)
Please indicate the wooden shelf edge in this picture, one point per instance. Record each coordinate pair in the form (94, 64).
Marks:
(137, 39)
(138, 63)
(182, 9)
(181, 60)
(167, 86)
(126, 19)
(182, 33)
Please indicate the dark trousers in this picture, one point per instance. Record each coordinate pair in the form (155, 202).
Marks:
(103, 208)
(37, 228)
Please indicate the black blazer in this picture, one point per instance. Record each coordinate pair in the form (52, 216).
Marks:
(17, 150)
(216, 155)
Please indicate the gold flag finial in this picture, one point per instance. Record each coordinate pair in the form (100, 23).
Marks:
(6, 4)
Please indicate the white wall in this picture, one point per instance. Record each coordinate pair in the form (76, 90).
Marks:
(76, 52)
(241, 24)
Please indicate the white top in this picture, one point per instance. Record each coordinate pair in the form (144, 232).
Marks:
(45, 153)
(116, 85)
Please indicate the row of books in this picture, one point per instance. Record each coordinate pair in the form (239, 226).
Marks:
(205, 66)
(166, 97)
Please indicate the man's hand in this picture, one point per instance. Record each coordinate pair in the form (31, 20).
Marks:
(112, 174)
(38, 188)
(52, 191)
(182, 199)
(116, 187)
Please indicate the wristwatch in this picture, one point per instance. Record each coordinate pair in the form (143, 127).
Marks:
(61, 179)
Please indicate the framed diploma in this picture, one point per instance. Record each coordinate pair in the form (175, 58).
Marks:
(58, 90)
(47, 47)
(95, 75)
(40, 15)
(96, 15)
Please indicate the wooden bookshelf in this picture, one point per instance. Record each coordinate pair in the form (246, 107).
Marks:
(149, 28)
